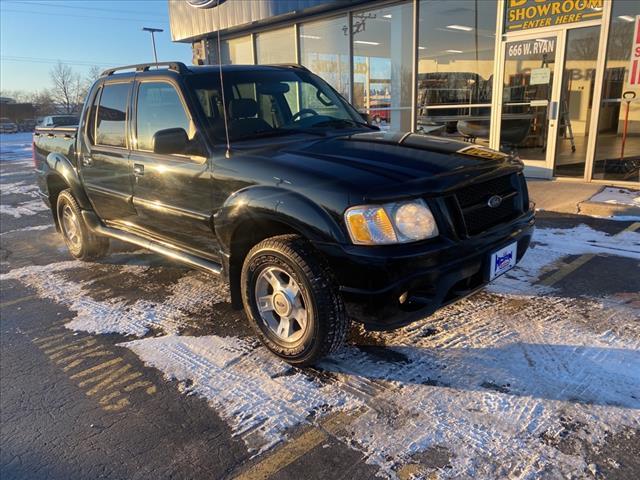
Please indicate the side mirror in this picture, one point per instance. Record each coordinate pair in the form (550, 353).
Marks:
(365, 117)
(170, 141)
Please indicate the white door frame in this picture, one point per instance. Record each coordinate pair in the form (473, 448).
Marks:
(533, 168)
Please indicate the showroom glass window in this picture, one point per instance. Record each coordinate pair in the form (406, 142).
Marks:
(324, 49)
(383, 64)
(456, 43)
(276, 46)
(617, 155)
(112, 115)
(237, 51)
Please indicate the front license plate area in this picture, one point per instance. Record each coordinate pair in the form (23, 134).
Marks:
(503, 260)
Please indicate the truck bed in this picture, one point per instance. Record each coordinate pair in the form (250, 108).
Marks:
(48, 140)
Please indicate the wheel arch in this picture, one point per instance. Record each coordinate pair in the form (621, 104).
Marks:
(61, 174)
(254, 214)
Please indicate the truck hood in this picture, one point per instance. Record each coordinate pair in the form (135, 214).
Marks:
(385, 165)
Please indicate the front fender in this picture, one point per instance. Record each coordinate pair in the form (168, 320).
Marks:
(60, 166)
(265, 203)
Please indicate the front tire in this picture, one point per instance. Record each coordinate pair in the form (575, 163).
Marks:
(292, 301)
(81, 242)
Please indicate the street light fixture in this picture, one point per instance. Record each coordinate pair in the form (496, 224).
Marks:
(153, 39)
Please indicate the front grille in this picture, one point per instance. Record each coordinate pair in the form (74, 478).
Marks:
(476, 214)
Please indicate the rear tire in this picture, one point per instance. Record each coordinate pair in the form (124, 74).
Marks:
(292, 301)
(81, 241)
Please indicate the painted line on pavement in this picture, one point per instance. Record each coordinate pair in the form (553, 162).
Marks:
(579, 262)
(295, 448)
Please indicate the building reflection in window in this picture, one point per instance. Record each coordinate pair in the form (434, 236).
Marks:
(617, 155)
(383, 63)
(324, 49)
(456, 43)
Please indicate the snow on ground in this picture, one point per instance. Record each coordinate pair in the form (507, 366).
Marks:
(497, 379)
(550, 245)
(28, 208)
(618, 196)
(28, 229)
(15, 146)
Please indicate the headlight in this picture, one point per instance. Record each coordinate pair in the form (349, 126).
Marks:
(400, 222)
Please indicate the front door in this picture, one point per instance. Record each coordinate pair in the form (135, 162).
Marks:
(171, 189)
(530, 100)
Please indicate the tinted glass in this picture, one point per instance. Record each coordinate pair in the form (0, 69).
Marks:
(159, 108)
(111, 125)
(383, 63)
(324, 49)
(91, 119)
(266, 103)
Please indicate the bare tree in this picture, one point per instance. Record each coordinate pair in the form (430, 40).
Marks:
(43, 103)
(67, 87)
(92, 75)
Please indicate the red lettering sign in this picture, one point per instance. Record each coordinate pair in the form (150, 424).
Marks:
(634, 65)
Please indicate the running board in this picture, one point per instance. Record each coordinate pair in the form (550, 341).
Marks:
(92, 221)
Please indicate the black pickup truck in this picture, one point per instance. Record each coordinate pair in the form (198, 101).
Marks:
(271, 179)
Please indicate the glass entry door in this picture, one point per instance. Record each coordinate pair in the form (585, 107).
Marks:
(530, 100)
(576, 101)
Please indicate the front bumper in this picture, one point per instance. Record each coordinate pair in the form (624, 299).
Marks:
(427, 275)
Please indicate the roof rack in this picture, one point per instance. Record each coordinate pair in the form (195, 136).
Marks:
(143, 67)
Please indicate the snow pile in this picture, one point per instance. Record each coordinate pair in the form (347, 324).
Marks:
(618, 196)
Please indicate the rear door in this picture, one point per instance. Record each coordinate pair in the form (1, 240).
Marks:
(171, 192)
(104, 157)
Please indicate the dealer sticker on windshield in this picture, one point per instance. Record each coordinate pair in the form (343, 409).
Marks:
(482, 152)
(503, 260)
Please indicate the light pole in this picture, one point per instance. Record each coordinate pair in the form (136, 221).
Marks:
(153, 39)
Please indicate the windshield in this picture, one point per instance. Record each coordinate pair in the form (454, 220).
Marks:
(264, 103)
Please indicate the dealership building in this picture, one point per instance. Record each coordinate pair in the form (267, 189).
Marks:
(553, 80)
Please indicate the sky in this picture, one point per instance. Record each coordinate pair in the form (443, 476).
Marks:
(35, 34)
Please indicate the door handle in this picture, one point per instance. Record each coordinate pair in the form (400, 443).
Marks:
(138, 169)
(87, 161)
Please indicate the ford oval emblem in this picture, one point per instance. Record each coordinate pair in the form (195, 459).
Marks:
(205, 3)
(495, 201)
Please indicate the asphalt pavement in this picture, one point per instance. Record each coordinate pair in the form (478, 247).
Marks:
(136, 367)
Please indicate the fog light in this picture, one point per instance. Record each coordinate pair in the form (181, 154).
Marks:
(403, 298)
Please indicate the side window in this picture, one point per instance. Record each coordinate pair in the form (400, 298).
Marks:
(111, 124)
(160, 108)
(91, 119)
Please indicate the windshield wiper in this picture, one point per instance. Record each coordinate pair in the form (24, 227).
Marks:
(343, 122)
(277, 132)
